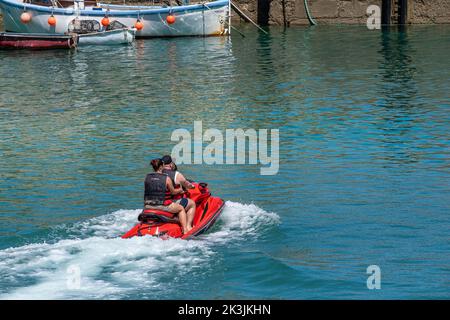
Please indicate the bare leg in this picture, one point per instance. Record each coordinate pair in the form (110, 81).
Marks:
(182, 216)
(190, 211)
(183, 221)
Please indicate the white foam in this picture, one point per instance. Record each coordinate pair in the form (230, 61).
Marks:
(242, 221)
(111, 267)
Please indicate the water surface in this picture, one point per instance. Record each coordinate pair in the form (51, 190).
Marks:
(364, 165)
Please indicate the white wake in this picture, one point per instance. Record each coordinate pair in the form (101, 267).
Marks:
(93, 262)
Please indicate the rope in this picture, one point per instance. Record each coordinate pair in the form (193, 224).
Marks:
(243, 35)
(308, 14)
(242, 14)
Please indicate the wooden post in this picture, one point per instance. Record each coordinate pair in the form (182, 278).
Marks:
(263, 10)
(386, 12)
(283, 5)
(402, 12)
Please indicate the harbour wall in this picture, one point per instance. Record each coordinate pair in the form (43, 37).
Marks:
(292, 12)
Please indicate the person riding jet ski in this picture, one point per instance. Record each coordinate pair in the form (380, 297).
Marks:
(178, 180)
(158, 193)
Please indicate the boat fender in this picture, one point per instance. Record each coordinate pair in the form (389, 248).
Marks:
(105, 21)
(25, 17)
(171, 19)
(51, 20)
(139, 25)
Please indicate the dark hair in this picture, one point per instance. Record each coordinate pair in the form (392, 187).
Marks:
(156, 164)
(166, 159)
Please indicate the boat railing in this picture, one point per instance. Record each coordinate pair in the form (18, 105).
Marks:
(143, 4)
(116, 4)
(60, 3)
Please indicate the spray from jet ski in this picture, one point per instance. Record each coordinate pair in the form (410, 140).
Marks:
(87, 259)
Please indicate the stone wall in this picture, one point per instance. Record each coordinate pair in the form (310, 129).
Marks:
(429, 11)
(292, 12)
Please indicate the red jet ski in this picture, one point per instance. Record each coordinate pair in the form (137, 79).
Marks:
(164, 224)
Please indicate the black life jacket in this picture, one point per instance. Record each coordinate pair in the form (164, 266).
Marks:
(156, 192)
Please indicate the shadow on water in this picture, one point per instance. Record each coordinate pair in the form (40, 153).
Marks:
(398, 85)
(264, 55)
(400, 97)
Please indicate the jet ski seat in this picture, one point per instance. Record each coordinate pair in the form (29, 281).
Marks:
(157, 216)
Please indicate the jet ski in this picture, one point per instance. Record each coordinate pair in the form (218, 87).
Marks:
(164, 224)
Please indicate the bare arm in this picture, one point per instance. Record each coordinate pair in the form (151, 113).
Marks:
(182, 180)
(172, 190)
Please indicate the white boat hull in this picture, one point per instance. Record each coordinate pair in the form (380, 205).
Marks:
(113, 37)
(191, 20)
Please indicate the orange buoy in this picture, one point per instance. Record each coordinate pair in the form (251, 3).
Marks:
(51, 20)
(25, 17)
(139, 25)
(105, 21)
(170, 19)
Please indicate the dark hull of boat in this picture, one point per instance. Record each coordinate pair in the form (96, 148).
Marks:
(37, 41)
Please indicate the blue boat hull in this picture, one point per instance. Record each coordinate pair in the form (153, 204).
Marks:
(191, 20)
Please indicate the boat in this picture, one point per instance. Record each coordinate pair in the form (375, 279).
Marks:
(165, 225)
(90, 32)
(111, 37)
(54, 16)
(37, 41)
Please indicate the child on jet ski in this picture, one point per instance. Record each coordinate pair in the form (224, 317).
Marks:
(178, 180)
(158, 193)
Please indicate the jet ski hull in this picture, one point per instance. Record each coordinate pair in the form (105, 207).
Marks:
(163, 224)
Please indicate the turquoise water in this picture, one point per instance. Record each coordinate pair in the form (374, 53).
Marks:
(364, 166)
